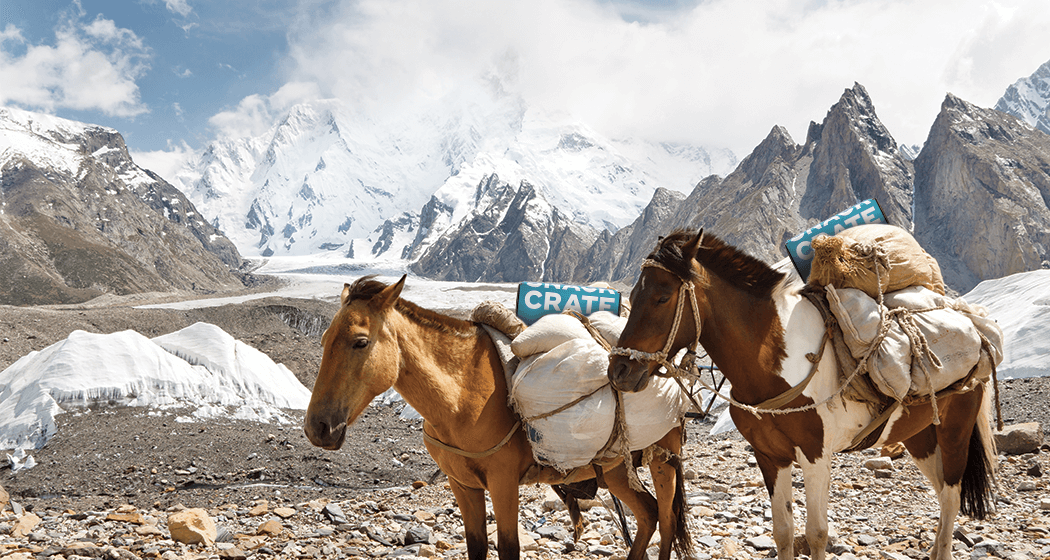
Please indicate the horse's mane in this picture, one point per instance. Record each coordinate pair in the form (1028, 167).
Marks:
(367, 287)
(720, 258)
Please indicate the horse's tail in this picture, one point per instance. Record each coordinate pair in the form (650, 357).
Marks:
(683, 541)
(978, 480)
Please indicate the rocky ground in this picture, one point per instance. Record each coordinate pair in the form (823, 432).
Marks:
(107, 483)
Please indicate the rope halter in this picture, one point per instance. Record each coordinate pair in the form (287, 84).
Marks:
(662, 357)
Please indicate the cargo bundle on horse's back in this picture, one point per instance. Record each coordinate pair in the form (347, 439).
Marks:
(451, 372)
(873, 258)
(792, 396)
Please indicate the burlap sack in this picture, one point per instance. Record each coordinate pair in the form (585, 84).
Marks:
(499, 317)
(843, 261)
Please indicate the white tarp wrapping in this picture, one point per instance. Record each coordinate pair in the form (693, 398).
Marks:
(951, 328)
(567, 367)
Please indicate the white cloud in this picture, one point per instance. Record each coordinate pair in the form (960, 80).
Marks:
(181, 7)
(255, 114)
(719, 72)
(92, 65)
(165, 163)
(11, 33)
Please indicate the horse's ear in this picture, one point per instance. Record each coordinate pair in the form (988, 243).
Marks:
(345, 296)
(689, 249)
(386, 298)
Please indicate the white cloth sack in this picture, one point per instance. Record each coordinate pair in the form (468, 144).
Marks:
(951, 334)
(547, 333)
(570, 370)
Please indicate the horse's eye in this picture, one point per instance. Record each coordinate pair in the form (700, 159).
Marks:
(360, 343)
(664, 299)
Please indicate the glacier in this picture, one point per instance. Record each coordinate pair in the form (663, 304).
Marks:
(200, 370)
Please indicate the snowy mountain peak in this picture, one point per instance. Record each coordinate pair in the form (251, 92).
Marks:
(1029, 99)
(325, 178)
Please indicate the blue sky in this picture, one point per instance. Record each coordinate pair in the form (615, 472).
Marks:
(183, 61)
(171, 75)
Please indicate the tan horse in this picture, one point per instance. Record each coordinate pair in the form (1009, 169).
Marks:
(450, 372)
(758, 330)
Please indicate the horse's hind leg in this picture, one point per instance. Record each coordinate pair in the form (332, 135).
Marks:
(666, 470)
(571, 494)
(942, 454)
(471, 502)
(642, 504)
(927, 456)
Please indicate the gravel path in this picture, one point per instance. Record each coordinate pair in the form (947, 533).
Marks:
(114, 461)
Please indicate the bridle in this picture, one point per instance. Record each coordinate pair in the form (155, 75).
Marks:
(662, 357)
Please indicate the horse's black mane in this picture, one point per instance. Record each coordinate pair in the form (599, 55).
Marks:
(367, 287)
(720, 258)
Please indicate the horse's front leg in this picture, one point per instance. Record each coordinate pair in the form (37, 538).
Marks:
(471, 503)
(778, 484)
(504, 494)
(817, 479)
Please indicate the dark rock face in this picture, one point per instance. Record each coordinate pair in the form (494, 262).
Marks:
(631, 244)
(778, 190)
(514, 235)
(980, 188)
(106, 227)
(855, 158)
(982, 194)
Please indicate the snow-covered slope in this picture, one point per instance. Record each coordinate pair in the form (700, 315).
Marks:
(329, 178)
(1029, 99)
(36, 136)
(1020, 303)
(200, 367)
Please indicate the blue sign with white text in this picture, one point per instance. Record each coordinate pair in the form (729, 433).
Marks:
(801, 251)
(536, 299)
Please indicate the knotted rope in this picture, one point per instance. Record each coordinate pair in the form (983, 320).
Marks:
(619, 437)
(919, 347)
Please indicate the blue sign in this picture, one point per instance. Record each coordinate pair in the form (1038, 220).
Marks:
(801, 251)
(536, 299)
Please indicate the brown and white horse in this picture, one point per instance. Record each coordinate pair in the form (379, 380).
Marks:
(758, 329)
(450, 372)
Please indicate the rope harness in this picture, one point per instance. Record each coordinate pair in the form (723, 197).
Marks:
(688, 369)
(471, 454)
(920, 352)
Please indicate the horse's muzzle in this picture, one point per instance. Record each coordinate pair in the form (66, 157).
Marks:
(628, 375)
(326, 435)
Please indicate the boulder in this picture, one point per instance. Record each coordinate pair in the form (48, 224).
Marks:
(192, 526)
(879, 464)
(25, 525)
(1019, 438)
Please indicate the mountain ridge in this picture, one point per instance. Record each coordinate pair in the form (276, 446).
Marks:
(79, 219)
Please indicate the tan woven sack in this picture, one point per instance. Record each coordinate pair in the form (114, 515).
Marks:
(849, 260)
